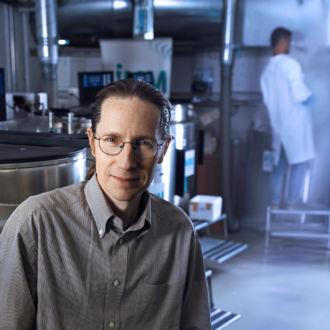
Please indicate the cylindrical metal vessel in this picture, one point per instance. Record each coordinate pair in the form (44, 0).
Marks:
(175, 177)
(163, 184)
(30, 170)
(184, 126)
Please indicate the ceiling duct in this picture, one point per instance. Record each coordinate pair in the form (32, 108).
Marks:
(186, 21)
(227, 62)
(46, 30)
(143, 24)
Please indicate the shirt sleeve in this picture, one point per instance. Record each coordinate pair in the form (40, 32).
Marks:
(195, 309)
(17, 276)
(263, 89)
(300, 91)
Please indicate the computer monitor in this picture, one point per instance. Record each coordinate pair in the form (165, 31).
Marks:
(90, 83)
(3, 114)
(146, 76)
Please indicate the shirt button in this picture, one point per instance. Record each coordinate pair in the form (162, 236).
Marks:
(100, 232)
(111, 324)
(116, 282)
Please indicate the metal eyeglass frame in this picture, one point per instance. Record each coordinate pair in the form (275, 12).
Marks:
(121, 147)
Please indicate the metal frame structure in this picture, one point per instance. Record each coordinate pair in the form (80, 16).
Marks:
(216, 251)
(296, 234)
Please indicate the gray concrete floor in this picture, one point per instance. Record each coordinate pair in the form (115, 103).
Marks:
(283, 287)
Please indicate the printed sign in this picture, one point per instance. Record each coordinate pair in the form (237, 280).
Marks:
(148, 60)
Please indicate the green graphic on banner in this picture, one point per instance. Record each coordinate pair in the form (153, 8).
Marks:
(160, 82)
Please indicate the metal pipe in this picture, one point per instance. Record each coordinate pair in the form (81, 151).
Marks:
(12, 47)
(6, 43)
(227, 60)
(46, 26)
(25, 29)
(228, 32)
(81, 21)
(143, 24)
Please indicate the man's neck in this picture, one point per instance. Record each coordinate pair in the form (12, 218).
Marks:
(129, 211)
(277, 52)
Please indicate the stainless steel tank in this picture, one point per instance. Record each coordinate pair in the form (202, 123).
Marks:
(163, 184)
(30, 170)
(175, 178)
(185, 130)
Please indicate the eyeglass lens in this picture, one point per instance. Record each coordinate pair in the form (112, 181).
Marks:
(142, 148)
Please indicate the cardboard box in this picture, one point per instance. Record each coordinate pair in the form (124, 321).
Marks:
(205, 207)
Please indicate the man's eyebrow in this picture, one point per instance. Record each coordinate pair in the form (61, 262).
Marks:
(138, 137)
(145, 137)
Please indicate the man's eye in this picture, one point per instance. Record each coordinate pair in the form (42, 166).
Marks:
(144, 143)
(112, 139)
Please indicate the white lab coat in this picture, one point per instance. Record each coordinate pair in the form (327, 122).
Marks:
(284, 90)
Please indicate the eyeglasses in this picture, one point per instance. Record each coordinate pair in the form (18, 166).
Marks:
(142, 147)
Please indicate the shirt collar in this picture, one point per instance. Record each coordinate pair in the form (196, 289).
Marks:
(102, 212)
(98, 204)
(144, 221)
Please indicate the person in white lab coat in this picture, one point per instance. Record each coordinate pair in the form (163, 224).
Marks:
(286, 97)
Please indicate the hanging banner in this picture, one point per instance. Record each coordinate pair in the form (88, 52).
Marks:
(148, 60)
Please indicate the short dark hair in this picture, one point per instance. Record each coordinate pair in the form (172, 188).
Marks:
(129, 88)
(278, 34)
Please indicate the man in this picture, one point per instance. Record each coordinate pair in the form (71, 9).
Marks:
(286, 97)
(106, 254)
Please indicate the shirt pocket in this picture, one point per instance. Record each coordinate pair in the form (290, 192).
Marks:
(160, 304)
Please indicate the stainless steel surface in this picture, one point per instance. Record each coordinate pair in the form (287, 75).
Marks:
(143, 24)
(228, 31)
(50, 120)
(184, 20)
(227, 61)
(70, 118)
(23, 179)
(183, 126)
(192, 21)
(25, 29)
(45, 124)
(46, 28)
(12, 47)
(163, 184)
(182, 112)
(183, 130)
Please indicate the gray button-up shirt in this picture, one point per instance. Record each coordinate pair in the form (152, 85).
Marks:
(67, 263)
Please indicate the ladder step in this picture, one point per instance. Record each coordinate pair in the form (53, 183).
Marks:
(217, 250)
(220, 319)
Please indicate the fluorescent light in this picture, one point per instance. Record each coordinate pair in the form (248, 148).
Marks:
(119, 4)
(63, 42)
(149, 35)
(45, 51)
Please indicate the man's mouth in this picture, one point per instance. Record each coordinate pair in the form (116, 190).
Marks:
(125, 179)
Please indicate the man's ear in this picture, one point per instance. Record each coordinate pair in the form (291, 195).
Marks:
(91, 140)
(164, 149)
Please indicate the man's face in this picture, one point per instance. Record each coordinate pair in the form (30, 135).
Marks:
(124, 177)
(287, 45)
(283, 46)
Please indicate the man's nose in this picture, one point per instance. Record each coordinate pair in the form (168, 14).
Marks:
(126, 156)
